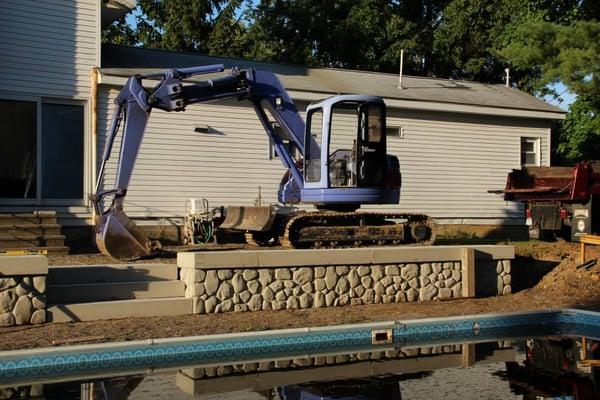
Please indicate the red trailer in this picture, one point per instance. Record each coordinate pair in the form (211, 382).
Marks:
(558, 199)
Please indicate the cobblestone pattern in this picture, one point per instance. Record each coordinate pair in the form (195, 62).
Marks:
(22, 300)
(253, 289)
(336, 359)
(493, 278)
(22, 392)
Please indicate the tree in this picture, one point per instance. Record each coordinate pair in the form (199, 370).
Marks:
(472, 33)
(120, 33)
(208, 26)
(569, 54)
(229, 35)
(579, 138)
(365, 34)
(466, 36)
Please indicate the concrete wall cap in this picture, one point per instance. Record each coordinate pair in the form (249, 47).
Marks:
(23, 265)
(321, 257)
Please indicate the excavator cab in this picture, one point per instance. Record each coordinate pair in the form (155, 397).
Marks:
(345, 151)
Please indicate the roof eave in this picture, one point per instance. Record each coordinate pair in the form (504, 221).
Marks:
(421, 105)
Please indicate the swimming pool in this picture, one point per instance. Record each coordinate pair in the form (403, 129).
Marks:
(48, 364)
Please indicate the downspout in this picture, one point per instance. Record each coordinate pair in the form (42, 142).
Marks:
(94, 128)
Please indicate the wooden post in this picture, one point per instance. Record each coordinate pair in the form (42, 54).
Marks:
(468, 354)
(468, 271)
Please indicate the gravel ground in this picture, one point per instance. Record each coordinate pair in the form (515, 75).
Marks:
(544, 274)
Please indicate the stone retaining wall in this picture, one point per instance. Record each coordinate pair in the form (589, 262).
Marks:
(23, 290)
(339, 359)
(317, 361)
(291, 279)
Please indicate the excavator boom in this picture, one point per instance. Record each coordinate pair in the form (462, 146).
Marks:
(118, 236)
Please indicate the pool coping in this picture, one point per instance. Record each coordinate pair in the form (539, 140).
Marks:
(219, 348)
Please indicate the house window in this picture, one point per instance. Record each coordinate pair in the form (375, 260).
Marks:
(530, 151)
(395, 131)
(41, 151)
(287, 143)
(289, 146)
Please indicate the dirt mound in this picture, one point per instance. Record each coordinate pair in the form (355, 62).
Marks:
(566, 281)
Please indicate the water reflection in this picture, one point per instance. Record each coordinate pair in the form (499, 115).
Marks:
(541, 368)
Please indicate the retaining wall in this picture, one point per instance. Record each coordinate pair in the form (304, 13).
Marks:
(267, 374)
(23, 290)
(223, 281)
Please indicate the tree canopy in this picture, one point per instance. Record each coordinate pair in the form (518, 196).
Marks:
(542, 41)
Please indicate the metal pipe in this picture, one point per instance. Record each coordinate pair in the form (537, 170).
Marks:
(94, 126)
(401, 67)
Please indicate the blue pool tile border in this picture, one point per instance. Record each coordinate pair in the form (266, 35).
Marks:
(47, 363)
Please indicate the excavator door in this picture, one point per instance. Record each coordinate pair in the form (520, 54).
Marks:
(371, 145)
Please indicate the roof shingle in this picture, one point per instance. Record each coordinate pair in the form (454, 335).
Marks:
(121, 60)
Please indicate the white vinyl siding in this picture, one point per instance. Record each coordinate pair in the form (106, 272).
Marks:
(48, 47)
(176, 163)
(448, 161)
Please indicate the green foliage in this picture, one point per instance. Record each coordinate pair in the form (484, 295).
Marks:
(466, 37)
(228, 37)
(120, 33)
(580, 135)
(208, 26)
(364, 34)
(569, 54)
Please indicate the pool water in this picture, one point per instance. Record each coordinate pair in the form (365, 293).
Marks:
(531, 368)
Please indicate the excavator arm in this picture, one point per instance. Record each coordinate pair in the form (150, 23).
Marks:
(116, 235)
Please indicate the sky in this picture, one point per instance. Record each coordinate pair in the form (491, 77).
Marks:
(565, 99)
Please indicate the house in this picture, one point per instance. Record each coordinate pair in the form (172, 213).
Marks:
(455, 139)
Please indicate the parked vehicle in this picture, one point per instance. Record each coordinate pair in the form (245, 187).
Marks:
(558, 200)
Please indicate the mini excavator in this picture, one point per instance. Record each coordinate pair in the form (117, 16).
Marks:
(336, 181)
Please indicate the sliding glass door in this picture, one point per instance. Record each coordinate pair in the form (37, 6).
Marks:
(42, 148)
(18, 150)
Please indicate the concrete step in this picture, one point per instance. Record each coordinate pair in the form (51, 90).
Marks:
(52, 250)
(29, 229)
(25, 240)
(92, 292)
(36, 217)
(74, 274)
(119, 309)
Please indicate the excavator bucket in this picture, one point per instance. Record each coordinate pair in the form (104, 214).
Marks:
(118, 237)
(258, 219)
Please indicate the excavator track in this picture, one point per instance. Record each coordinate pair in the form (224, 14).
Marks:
(326, 229)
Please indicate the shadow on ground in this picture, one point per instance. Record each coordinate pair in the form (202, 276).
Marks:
(528, 272)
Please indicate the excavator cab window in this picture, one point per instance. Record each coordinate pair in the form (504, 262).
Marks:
(356, 144)
(312, 159)
(370, 154)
